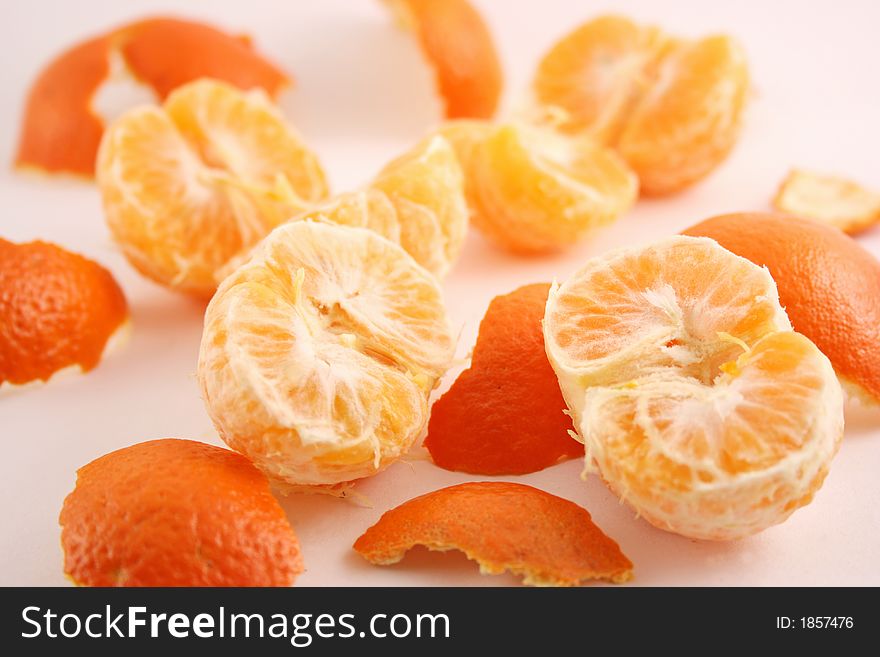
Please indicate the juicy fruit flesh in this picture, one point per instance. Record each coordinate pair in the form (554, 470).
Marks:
(502, 526)
(319, 353)
(57, 309)
(836, 201)
(416, 201)
(695, 400)
(531, 191)
(669, 106)
(192, 185)
(829, 284)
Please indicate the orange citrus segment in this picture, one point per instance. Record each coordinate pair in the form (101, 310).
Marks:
(698, 404)
(671, 107)
(532, 191)
(417, 201)
(319, 353)
(831, 200)
(61, 130)
(176, 513)
(828, 284)
(477, 426)
(194, 184)
(502, 526)
(57, 309)
(458, 45)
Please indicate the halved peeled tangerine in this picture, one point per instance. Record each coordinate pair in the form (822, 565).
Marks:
(671, 107)
(319, 353)
(698, 404)
(416, 201)
(192, 184)
(531, 190)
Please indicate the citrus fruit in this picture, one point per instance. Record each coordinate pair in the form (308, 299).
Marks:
(57, 310)
(532, 191)
(828, 284)
(478, 425)
(192, 184)
(417, 200)
(459, 47)
(502, 526)
(61, 129)
(319, 353)
(671, 107)
(696, 402)
(832, 200)
(176, 513)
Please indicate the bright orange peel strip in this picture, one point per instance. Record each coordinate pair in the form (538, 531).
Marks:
(459, 46)
(61, 130)
(504, 414)
(502, 526)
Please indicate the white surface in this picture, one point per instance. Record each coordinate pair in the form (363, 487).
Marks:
(362, 96)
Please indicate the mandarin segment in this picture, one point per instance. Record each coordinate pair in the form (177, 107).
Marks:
(176, 513)
(828, 284)
(502, 526)
(192, 185)
(671, 107)
(61, 131)
(477, 426)
(532, 191)
(459, 46)
(696, 402)
(57, 310)
(319, 353)
(831, 200)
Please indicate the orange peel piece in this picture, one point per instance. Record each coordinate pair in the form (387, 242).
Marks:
(456, 41)
(57, 310)
(502, 526)
(61, 130)
(176, 513)
(832, 200)
(504, 414)
(166, 53)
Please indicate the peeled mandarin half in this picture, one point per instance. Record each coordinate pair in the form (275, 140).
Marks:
(176, 513)
(828, 284)
(502, 526)
(671, 107)
(57, 310)
(61, 129)
(319, 353)
(416, 201)
(696, 402)
(459, 46)
(193, 184)
(831, 200)
(505, 413)
(532, 191)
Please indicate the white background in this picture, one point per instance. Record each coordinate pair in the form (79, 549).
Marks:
(363, 95)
